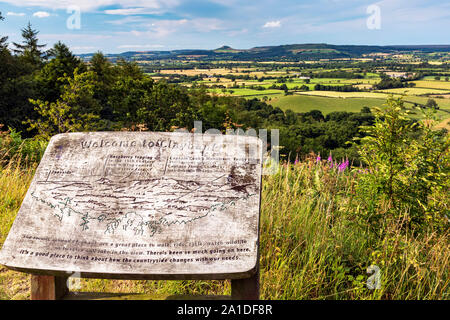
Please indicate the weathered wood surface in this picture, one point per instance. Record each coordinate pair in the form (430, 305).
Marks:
(141, 205)
(48, 287)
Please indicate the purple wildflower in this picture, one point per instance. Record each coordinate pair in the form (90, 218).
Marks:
(343, 165)
(330, 160)
(318, 159)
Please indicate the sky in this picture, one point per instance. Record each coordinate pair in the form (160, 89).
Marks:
(115, 26)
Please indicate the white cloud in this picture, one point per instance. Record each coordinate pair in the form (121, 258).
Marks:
(158, 29)
(41, 14)
(140, 46)
(90, 5)
(82, 48)
(132, 11)
(206, 24)
(137, 21)
(15, 14)
(234, 33)
(272, 24)
(72, 37)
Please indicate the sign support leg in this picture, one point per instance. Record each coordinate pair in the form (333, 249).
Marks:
(246, 289)
(48, 287)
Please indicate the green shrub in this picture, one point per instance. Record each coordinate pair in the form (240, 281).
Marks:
(13, 148)
(408, 167)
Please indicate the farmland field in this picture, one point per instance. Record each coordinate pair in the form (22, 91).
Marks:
(344, 95)
(416, 91)
(305, 103)
(246, 92)
(268, 82)
(445, 85)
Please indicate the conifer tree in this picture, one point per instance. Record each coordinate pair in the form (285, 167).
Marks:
(30, 49)
(3, 44)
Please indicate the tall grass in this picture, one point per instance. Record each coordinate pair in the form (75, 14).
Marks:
(14, 182)
(313, 247)
(312, 244)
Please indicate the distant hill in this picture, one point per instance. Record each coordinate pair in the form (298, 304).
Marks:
(308, 51)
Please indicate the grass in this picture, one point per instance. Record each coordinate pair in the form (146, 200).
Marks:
(14, 182)
(336, 94)
(416, 91)
(305, 103)
(331, 101)
(243, 92)
(431, 78)
(445, 85)
(310, 246)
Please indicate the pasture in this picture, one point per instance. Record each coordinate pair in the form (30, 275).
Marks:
(305, 103)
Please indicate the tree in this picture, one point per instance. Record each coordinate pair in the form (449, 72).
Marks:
(17, 85)
(55, 74)
(100, 65)
(365, 109)
(30, 50)
(129, 69)
(75, 110)
(3, 44)
(107, 75)
(431, 103)
(407, 161)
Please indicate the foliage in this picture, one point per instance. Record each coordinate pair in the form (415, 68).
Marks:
(55, 74)
(408, 165)
(388, 83)
(3, 44)
(76, 110)
(15, 149)
(30, 51)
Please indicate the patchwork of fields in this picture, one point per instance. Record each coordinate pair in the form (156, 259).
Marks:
(283, 87)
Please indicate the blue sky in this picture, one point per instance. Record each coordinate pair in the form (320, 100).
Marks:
(114, 26)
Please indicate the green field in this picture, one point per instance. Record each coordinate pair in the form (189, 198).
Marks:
(433, 84)
(416, 91)
(305, 103)
(243, 92)
(345, 95)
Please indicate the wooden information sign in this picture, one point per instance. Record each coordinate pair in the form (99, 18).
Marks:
(141, 205)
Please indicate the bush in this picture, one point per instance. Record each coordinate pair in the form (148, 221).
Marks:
(15, 149)
(408, 166)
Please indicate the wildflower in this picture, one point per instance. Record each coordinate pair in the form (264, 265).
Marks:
(343, 165)
(318, 158)
(330, 160)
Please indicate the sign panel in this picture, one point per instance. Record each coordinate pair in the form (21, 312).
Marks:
(141, 205)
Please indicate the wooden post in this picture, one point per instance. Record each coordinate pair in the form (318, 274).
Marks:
(246, 289)
(48, 287)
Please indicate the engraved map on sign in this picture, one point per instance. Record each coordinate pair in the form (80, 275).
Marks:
(193, 192)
